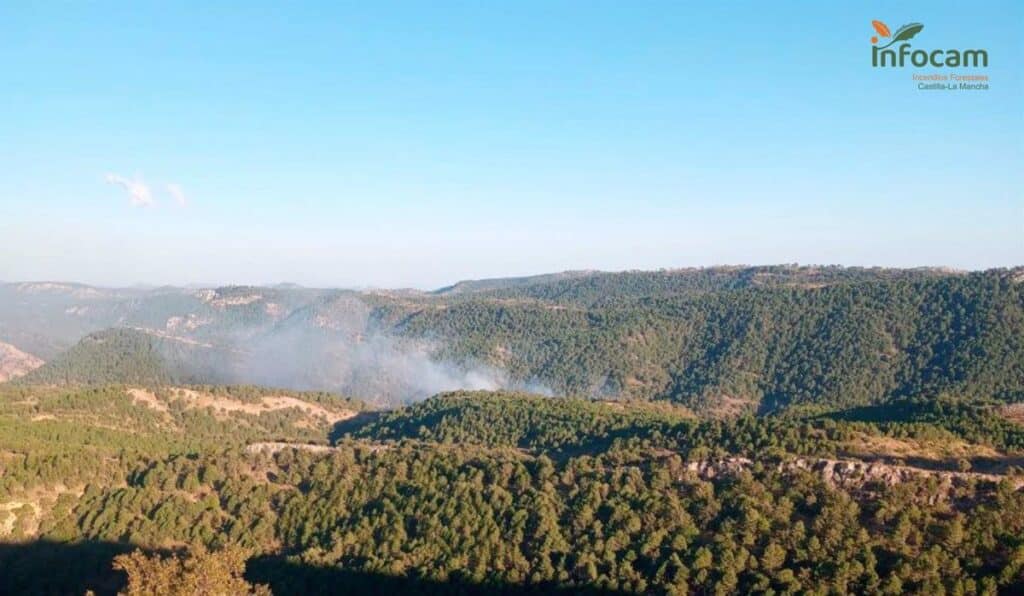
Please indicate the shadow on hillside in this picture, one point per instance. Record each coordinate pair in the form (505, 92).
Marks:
(896, 411)
(288, 578)
(43, 568)
(352, 425)
(51, 568)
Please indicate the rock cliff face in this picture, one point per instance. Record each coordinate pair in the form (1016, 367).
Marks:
(729, 466)
(850, 474)
(15, 363)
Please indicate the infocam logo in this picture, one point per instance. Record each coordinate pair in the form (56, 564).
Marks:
(905, 55)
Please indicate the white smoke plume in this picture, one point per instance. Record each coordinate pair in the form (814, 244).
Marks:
(344, 351)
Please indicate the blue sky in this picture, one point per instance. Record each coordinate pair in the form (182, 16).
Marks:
(414, 144)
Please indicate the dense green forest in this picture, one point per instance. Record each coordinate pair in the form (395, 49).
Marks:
(753, 347)
(721, 341)
(128, 356)
(777, 430)
(482, 492)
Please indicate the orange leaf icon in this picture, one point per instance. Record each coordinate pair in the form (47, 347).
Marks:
(881, 28)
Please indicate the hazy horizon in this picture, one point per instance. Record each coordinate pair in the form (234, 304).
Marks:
(366, 287)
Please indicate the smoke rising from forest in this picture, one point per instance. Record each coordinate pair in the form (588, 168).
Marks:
(346, 351)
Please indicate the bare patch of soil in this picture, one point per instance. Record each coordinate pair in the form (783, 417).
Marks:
(15, 363)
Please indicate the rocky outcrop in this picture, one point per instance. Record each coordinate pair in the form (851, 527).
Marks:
(273, 447)
(270, 448)
(848, 473)
(853, 473)
(728, 466)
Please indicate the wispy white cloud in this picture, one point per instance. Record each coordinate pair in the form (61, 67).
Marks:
(177, 194)
(139, 192)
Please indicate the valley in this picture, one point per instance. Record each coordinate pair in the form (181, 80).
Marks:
(730, 339)
(478, 298)
(726, 430)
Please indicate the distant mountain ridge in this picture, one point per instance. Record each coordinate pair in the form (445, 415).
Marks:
(719, 340)
(470, 286)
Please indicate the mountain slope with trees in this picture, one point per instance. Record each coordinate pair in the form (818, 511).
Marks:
(123, 355)
(850, 343)
(473, 493)
(721, 341)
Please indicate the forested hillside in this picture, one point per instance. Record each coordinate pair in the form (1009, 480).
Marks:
(731, 430)
(481, 492)
(598, 288)
(720, 341)
(132, 356)
(758, 348)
